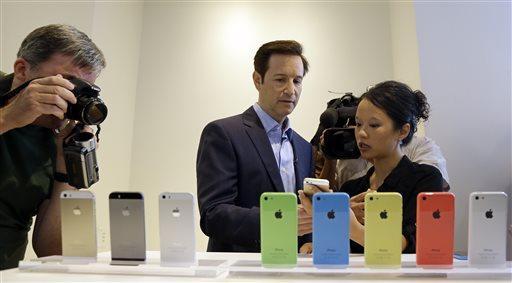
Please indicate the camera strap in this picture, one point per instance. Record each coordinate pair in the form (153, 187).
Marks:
(8, 95)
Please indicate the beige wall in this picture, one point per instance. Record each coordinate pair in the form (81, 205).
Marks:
(196, 66)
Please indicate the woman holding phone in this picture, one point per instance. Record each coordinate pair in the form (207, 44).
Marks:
(386, 119)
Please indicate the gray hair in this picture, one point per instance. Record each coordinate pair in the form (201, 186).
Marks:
(44, 42)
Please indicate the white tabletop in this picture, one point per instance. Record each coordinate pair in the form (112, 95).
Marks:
(246, 267)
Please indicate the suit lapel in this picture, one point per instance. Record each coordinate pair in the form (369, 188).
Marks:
(258, 136)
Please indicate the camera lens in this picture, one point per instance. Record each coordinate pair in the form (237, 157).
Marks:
(265, 198)
(65, 195)
(477, 197)
(163, 196)
(424, 198)
(317, 198)
(95, 112)
(371, 198)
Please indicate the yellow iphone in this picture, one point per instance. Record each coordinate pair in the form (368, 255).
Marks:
(383, 229)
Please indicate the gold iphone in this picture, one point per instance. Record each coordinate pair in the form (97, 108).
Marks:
(78, 220)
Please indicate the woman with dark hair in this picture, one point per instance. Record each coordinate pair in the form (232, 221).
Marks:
(386, 120)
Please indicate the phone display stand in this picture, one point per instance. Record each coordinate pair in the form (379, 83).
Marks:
(223, 265)
(206, 268)
(357, 269)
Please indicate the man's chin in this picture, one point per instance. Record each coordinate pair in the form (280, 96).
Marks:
(49, 121)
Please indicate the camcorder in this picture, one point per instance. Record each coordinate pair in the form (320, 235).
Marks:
(337, 123)
(79, 147)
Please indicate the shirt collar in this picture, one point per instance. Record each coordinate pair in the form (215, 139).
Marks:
(269, 123)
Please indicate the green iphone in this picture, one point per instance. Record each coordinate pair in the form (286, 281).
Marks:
(278, 220)
(383, 229)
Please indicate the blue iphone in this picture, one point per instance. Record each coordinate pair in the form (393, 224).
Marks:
(331, 243)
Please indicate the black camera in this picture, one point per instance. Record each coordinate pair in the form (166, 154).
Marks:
(89, 108)
(79, 147)
(81, 162)
(337, 121)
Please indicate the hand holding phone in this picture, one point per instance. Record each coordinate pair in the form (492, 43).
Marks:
(312, 186)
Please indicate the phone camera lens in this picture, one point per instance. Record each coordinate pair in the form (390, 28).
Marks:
(371, 198)
(477, 197)
(265, 198)
(424, 198)
(317, 198)
(163, 197)
(65, 195)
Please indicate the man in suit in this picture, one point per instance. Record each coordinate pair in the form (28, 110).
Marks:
(242, 156)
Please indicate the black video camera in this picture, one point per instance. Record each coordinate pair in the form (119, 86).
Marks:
(337, 121)
(79, 147)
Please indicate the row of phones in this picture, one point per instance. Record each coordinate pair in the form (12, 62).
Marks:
(383, 229)
(127, 228)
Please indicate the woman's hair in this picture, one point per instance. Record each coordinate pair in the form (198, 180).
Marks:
(401, 104)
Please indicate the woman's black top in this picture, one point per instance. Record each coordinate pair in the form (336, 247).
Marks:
(409, 179)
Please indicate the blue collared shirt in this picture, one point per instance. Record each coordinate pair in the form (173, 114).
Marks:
(280, 137)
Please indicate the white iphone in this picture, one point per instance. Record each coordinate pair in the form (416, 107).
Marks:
(177, 233)
(312, 186)
(487, 229)
(78, 226)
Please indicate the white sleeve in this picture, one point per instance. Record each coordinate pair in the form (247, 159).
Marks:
(424, 150)
(349, 169)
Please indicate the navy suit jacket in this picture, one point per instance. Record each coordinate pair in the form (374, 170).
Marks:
(235, 165)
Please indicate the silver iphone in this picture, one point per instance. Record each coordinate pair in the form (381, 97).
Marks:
(177, 232)
(487, 234)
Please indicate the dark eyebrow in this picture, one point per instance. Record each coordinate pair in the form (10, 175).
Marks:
(285, 75)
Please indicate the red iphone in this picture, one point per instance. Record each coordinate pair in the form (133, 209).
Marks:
(435, 219)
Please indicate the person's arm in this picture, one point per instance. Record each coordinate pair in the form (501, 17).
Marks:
(217, 190)
(329, 173)
(46, 237)
(5, 124)
(49, 95)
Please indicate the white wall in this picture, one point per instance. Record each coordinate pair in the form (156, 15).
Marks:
(196, 66)
(464, 51)
(115, 28)
(404, 47)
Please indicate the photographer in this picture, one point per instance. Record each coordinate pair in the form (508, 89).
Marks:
(338, 169)
(32, 130)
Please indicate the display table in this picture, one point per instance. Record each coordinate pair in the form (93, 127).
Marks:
(241, 267)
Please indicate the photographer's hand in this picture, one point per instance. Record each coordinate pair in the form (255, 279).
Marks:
(49, 95)
(59, 140)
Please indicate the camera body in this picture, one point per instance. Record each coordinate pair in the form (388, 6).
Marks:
(80, 148)
(89, 108)
(340, 143)
(337, 125)
(81, 163)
